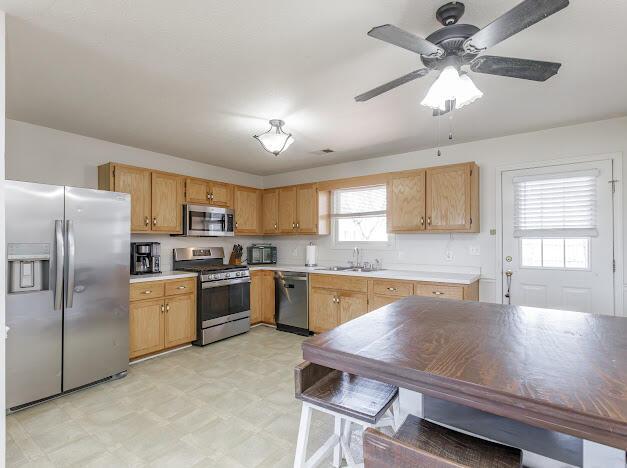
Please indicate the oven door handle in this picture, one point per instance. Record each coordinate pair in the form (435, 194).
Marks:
(227, 282)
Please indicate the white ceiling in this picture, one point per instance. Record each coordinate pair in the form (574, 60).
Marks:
(196, 78)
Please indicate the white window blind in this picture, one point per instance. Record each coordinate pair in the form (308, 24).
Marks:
(556, 205)
(360, 202)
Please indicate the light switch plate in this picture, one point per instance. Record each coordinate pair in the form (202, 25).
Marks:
(448, 256)
(474, 250)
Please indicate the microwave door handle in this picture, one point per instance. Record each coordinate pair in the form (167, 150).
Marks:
(59, 260)
(71, 253)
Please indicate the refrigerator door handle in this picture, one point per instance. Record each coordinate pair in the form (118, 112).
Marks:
(60, 257)
(71, 248)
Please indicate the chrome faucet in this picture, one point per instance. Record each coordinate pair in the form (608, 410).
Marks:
(356, 261)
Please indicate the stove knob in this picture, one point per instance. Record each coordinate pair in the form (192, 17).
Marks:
(213, 277)
(227, 275)
(239, 273)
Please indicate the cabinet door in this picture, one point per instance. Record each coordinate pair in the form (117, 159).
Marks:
(166, 203)
(287, 209)
(247, 210)
(406, 202)
(180, 320)
(352, 305)
(307, 209)
(196, 191)
(270, 212)
(221, 194)
(448, 198)
(380, 301)
(267, 297)
(136, 182)
(323, 310)
(145, 327)
(256, 281)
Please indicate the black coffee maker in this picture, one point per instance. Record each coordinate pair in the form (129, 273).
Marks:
(145, 258)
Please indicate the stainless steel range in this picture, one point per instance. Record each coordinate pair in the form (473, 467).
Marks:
(223, 293)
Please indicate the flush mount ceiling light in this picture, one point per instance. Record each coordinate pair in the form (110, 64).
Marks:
(450, 86)
(275, 140)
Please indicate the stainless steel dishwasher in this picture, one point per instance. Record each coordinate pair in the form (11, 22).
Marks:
(291, 304)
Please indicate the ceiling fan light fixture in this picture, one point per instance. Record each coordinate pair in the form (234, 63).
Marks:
(450, 86)
(275, 140)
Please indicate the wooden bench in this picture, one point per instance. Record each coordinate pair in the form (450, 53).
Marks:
(422, 443)
(350, 399)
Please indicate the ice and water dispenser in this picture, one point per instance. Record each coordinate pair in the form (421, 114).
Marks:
(29, 267)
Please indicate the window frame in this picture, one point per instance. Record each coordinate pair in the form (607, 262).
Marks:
(390, 244)
(564, 268)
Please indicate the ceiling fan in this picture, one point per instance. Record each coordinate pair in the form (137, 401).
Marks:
(457, 45)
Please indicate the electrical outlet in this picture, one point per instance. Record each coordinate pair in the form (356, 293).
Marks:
(474, 250)
(448, 256)
(295, 252)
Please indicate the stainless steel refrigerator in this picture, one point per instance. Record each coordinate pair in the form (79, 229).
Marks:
(67, 289)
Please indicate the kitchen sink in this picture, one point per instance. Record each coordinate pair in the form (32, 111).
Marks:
(349, 268)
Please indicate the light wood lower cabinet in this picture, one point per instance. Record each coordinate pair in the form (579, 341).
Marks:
(161, 322)
(324, 313)
(383, 292)
(262, 297)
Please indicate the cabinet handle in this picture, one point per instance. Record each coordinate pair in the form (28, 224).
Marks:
(392, 289)
(147, 221)
(236, 224)
(275, 226)
(208, 196)
(422, 220)
(147, 291)
(293, 225)
(438, 293)
(181, 287)
(162, 308)
(429, 220)
(211, 197)
(297, 225)
(154, 221)
(167, 308)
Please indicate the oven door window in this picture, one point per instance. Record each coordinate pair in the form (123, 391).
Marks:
(225, 300)
(206, 222)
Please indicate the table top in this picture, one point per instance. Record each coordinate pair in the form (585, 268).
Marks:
(564, 371)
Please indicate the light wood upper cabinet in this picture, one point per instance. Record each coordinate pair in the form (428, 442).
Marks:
(180, 320)
(306, 209)
(221, 194)
(270, 211)
(324, 313)
(197, 191)
(208, 192)
(166, 202)
(136, 182)
(247, 208)
(146, 327)
(406, 202)
(452, 200)
(287, 209)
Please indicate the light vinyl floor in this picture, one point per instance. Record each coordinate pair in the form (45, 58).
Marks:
(229, 404)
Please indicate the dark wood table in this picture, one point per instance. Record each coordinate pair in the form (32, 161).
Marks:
(563, 371)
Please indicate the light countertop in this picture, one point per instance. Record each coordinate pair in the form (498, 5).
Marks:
(411, 275)
(166, 275)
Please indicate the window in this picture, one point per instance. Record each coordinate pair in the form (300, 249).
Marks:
(360, 215)
(565, 253)
(556, 205)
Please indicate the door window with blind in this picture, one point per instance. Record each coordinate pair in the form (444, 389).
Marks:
(555, 215)
(359, 216)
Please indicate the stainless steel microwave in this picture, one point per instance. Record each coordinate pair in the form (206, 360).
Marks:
(207, 221)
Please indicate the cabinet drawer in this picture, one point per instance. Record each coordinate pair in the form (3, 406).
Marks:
(182, 286)
(149, 290)
(345, 283)
(393, 288)
(447, 291)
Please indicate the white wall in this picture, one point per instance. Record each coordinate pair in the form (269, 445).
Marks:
(609, 136)
(44, 155)
(2, 250)
(49, 156)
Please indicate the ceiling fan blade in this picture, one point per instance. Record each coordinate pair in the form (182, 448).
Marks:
(515, 68)
(392, 84)
(523, 15)
(399, 37)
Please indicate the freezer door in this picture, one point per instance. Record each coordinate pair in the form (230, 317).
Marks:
(34, 229)
(95, 337)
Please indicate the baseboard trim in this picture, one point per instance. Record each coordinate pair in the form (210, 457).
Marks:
(159, 353)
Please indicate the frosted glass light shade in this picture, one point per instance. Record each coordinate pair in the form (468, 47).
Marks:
(275, 140)
(449, 86)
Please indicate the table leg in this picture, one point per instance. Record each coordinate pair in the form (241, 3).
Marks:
(601, 456)
(410, 403)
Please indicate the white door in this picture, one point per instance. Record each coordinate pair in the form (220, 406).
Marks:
(558, 237)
